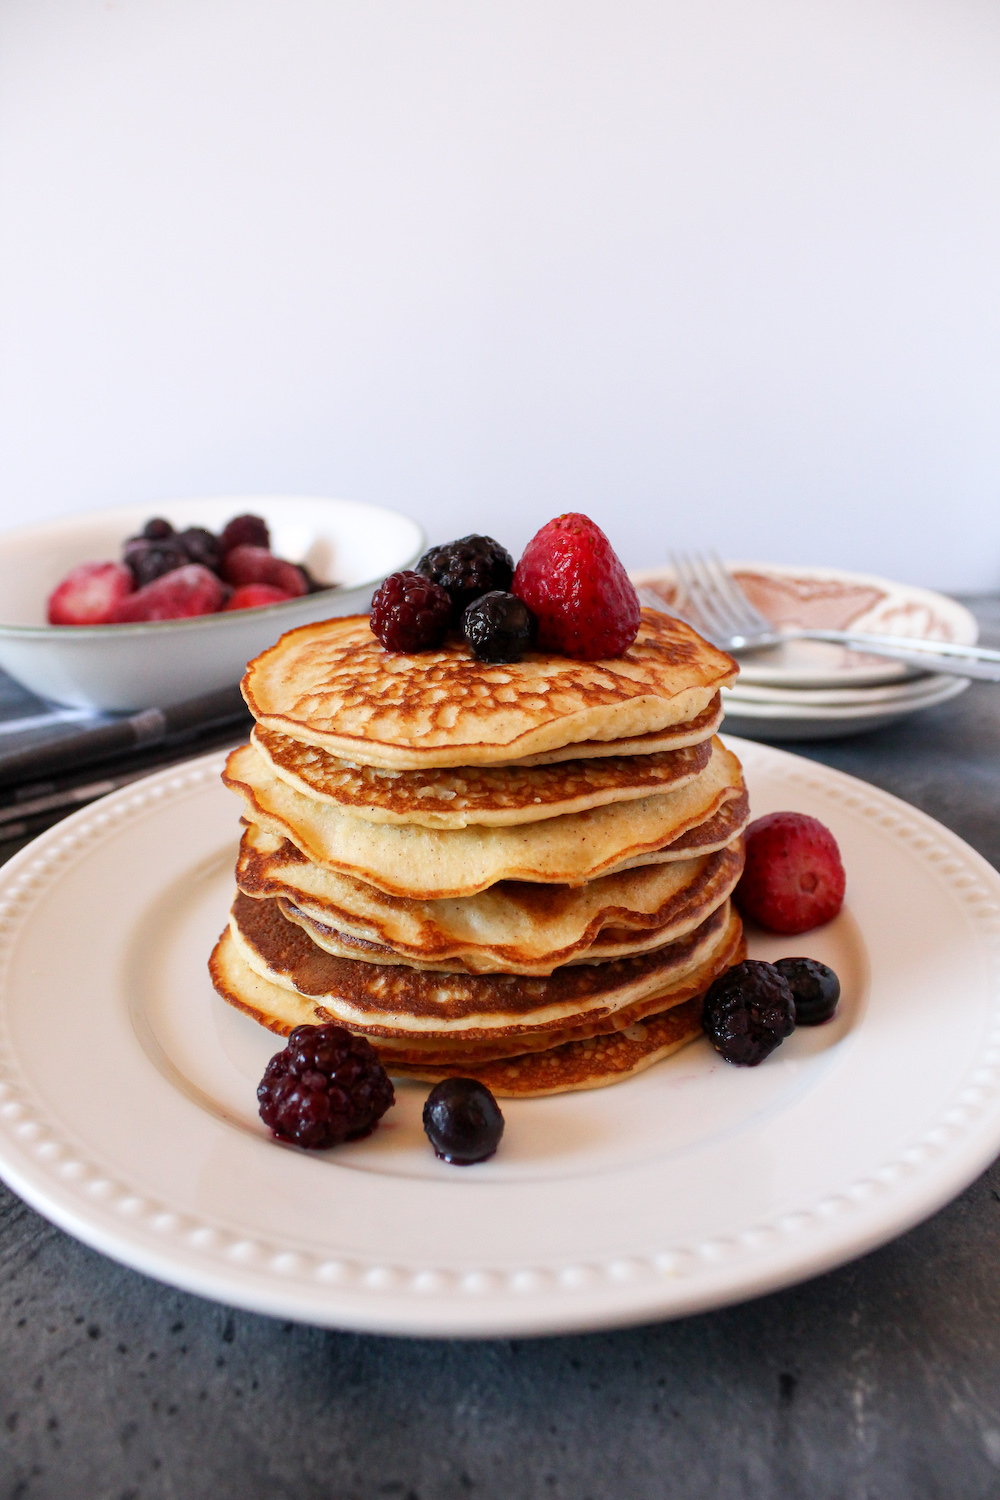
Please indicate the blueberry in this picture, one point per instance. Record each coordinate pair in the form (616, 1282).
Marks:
(463, 1121)
(499, 627)
(815, 988)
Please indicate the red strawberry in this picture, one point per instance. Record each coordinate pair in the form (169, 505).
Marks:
(191, 590)
(794, 877)
(253, 595)
(572, 581)
(90, 594)
(248, 564)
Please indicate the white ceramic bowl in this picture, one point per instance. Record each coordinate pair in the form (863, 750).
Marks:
(120, 667)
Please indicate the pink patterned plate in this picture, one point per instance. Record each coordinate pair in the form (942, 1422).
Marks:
(830, 597)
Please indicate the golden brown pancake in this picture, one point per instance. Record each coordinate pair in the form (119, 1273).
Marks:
(457, 797)
(428, 863)
(387, 1000)
(701, 727)
(332, 684)
(590, 1064)
(280, 1010)
(513, 927)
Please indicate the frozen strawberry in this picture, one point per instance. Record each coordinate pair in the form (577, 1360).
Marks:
(191, 590)
(572, 581)
(90, 594)
(794, 877)
(247, 564)
(253, 595)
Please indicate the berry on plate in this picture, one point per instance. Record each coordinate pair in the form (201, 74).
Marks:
(249, 564)
(462, 1121)
(814, 986)
(326, 1087)
(249, 531)
(573, 582)
(499, 627)
(254, 595)
(793, 878)
(749, 1010)
(187, 591)
(410, 613)
(468, 568)
(90, 594)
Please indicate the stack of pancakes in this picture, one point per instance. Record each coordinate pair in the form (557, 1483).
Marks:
(516, 873)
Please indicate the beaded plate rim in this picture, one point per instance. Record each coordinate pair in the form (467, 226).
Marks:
(199, 1254)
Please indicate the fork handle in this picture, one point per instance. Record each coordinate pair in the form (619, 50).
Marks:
(930, 656)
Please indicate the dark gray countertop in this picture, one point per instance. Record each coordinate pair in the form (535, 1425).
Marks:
(877, 1382)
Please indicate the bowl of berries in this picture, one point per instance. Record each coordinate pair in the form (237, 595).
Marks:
(124, 609)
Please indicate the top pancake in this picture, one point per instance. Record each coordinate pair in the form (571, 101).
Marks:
(332, 684)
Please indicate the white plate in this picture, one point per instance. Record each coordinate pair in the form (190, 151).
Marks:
(835, 599)
(895, 693)
(773, 719)
(127, 1110)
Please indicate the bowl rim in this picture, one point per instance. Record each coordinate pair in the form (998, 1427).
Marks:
(146, 627)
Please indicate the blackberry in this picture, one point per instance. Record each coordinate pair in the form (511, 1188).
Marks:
(156, 529)
(499, 627)
(463, 1121)
(471, 566)
(326, 1087)
(815, 989)
(202, 546)
(748, 1011)
(148, 559)
(245, 531)
(409, 613)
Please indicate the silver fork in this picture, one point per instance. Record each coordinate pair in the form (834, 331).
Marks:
(711, 600)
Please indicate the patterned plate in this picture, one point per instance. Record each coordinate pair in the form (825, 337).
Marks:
(831, 598)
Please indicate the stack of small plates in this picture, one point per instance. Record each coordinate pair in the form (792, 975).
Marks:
(809, 690)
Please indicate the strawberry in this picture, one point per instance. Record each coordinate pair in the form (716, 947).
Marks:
(793, 878)
(254, 595)
(191, 590)
(90, 594)
(572, 581)
(249, 564)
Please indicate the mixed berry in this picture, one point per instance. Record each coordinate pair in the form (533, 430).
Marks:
(410, 612)
(170, 575)
(462, 1121)
(815, 989)
(327, 1086)
(749, 1010)
(793, 878)
(568, 594)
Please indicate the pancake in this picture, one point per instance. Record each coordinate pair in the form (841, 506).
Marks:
(514, 927)
(332, 684)
(705, 884)
(701, 727)
(492, 796)
(281, 1010)
(431, 863)
(593, 1063)
(387, 1001)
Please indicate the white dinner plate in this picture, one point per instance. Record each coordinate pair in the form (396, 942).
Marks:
(831, 598)
(127, 1096)
(774, 719)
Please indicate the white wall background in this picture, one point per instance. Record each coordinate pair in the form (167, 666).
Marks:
(714, 271)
